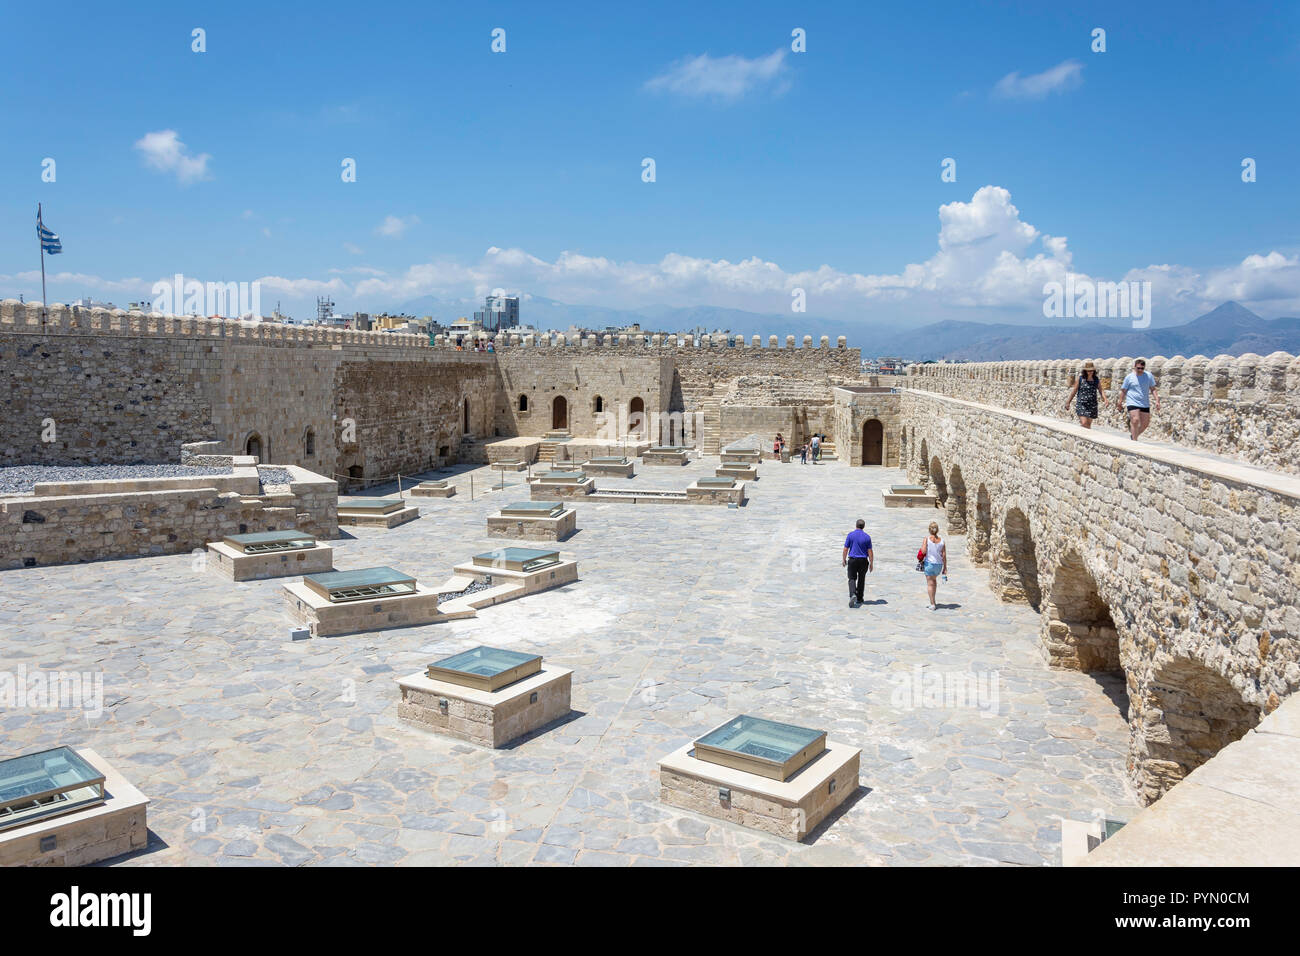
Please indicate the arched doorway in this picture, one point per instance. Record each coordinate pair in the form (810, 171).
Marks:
(253, 446)
(560, 413)
(873, 442)
(636, 417)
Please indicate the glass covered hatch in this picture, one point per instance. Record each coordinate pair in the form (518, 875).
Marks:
(485, 668)
(764, 747)
(361, 585)
(45, 784)
(517, 559)
(264, 542)
(533, 509)
(372, 506)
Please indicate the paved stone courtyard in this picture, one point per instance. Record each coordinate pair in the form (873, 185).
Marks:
(256, 750)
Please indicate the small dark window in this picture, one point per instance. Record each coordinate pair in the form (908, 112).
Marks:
(523, 403)
(600, 404)
(310, 443)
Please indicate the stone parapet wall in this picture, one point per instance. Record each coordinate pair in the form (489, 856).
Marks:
(1190, 570)
(1247, 407)
(67, 529)
(59, 319)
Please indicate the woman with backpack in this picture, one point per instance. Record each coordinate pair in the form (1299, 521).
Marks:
(932, 558)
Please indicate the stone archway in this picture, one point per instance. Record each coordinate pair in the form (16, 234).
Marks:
(981, 541)
(956, 502)
(560, 413)
(1078, 631)
(1015, 574)
(939, 482)
(1187, 715)
(922, 462)
(873, 442)
(253, 446)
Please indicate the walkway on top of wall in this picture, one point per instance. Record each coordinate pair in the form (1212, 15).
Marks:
(1215, 466)
(1239, 808)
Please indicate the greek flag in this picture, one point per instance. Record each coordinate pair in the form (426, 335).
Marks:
(50, 244)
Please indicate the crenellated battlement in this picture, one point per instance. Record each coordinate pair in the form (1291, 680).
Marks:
(1245, 406)
(1272, 379)
(59, 319)
(681, 340)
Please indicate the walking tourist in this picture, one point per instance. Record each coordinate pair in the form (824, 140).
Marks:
(1137, 393)
(776, 446)
(857, 557)
(1084, 393)
(803, 453)
(816, 448)
(935, 562)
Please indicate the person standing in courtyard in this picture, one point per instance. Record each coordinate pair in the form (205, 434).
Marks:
(858, 558)
(803, 454)
(934, 563)
(776, 446)
(1137, 394)
(816, 448)
(1084, 394)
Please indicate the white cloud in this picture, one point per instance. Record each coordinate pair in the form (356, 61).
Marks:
(353, 248)
(394, 227)
(989, 263)
(724, 77)
(1064, 76)
(163, 151)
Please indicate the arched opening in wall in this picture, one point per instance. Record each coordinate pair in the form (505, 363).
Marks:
(636, 417)
(1188, 714)
(922, 462)
(309, 443)
(956, 502)
(356, 476)
(253, 446)
(560, 413)
(981, 540)
(598, 404)
(465, 417)
(1078, 631)
(523, 403)
(939, 481)
(873, 442)
(1017, 567)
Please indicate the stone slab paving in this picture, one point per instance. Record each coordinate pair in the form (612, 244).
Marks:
(259, 751)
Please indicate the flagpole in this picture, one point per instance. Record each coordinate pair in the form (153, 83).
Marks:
(41, 242)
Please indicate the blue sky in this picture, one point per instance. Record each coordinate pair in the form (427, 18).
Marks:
(775, 170)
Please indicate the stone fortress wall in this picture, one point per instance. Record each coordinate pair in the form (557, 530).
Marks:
(1246, 407)
(1176, 569)
(727, 387)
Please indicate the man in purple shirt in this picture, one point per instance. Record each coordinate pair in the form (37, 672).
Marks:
(857, 557)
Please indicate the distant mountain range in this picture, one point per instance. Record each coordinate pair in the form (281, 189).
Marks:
(1230, 329)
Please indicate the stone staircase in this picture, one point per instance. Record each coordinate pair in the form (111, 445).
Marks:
(711, 429)
(828, 451)
(551, 441)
